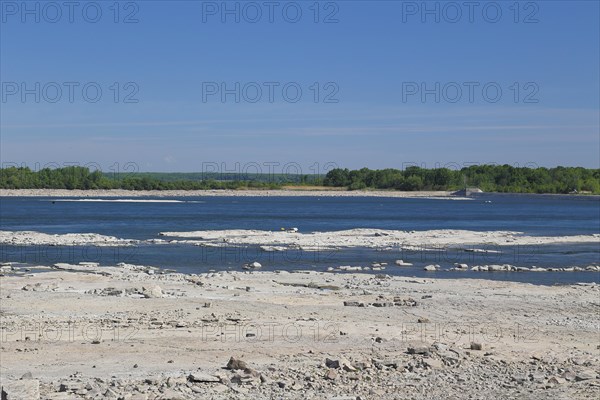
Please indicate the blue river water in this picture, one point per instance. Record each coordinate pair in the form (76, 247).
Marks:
(532, 215)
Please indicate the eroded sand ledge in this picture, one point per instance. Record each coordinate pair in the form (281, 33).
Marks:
(129, 330)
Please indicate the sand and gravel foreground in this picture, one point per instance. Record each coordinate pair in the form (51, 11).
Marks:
(132, 332)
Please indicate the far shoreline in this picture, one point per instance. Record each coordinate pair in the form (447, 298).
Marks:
(222, 193)
(286, 192)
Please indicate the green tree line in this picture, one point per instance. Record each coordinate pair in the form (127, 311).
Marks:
(75, 177)
(489, 178)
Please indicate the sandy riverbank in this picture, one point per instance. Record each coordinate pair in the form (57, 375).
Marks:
(295, 192)
(91, 332)
(209, 193)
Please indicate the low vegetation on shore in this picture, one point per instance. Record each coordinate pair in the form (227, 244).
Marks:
(489, 178)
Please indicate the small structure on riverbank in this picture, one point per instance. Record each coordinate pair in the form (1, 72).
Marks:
(467, 191)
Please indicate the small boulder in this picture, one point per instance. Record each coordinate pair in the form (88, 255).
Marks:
(331, 375)
(236, 363)
(557, 380)
(252, 265)
(71, 386)
(419, 350)
(174, 381)
(202, 377)
(568, 375)
(585, 375)
(22, 389)
(27, 375)
(352, 303)
(476, 346)
(433, 363)
(332, 363)
(346, 365)
(152, 292)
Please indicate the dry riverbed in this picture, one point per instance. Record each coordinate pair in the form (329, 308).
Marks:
(132, 332)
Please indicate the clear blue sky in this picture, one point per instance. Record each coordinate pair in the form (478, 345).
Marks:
(369, 56)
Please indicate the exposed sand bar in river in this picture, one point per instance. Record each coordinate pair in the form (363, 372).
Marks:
(367, 238)
(375, 238)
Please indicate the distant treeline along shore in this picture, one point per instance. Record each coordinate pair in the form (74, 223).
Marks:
(489, 178)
